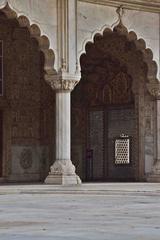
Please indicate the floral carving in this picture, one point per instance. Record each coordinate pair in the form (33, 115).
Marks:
(154, 89)
(62, 81)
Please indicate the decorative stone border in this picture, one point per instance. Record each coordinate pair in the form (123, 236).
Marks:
(140, 5)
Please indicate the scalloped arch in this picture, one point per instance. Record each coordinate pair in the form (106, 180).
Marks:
(35, 32)
(140, 45)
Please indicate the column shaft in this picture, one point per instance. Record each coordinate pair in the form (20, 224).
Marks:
(63, 171)
(63, 145)
(155, 173)
(158, 129)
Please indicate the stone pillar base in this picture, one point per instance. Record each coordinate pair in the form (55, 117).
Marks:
(62, 173)
(154, 176)
(3, 180)
(62, 179)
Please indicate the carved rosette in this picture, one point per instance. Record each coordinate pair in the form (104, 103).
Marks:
(154, 89)
(26, 159)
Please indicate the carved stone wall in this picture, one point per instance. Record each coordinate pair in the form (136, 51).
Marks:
(29, 102)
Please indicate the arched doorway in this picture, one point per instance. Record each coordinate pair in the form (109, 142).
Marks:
(108, 109)
(26, 124)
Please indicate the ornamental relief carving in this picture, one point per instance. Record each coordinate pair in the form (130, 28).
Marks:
(26, 158)
(106, 84)
(59, 84)
(148, 126)
(154, 89)
(69, 84)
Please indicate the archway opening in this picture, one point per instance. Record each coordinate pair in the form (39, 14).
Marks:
(106, 131)
(27, 124)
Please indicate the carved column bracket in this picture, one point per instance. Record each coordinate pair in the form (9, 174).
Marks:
(154, 89)
(63, 81)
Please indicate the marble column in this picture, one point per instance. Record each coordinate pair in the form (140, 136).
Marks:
(156, 167)
(154, 176)
(62, 171)
(158, 131)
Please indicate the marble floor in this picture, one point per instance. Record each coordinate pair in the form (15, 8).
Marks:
(111, 211)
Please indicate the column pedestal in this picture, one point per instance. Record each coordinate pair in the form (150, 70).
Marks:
(63, 173)
(155, 174)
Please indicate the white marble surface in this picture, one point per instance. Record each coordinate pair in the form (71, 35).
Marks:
(63, 126)
(118, 211)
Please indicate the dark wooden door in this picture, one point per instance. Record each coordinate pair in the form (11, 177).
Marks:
(104, 127)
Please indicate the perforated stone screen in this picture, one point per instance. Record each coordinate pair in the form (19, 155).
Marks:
(122, 151)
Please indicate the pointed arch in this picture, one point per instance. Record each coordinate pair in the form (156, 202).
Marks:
(139, 47)
(35, 32)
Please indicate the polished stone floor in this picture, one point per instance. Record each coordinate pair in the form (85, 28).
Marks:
(111, 211)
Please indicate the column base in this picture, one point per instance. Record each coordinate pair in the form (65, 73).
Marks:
(154, 176)
(62, 180)
(63, 173)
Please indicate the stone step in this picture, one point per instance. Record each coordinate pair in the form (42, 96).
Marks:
(94, 189)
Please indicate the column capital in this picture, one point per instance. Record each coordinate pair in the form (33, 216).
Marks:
(154, 89)
(62, 81)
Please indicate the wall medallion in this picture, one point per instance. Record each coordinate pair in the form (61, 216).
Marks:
(26, 158)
